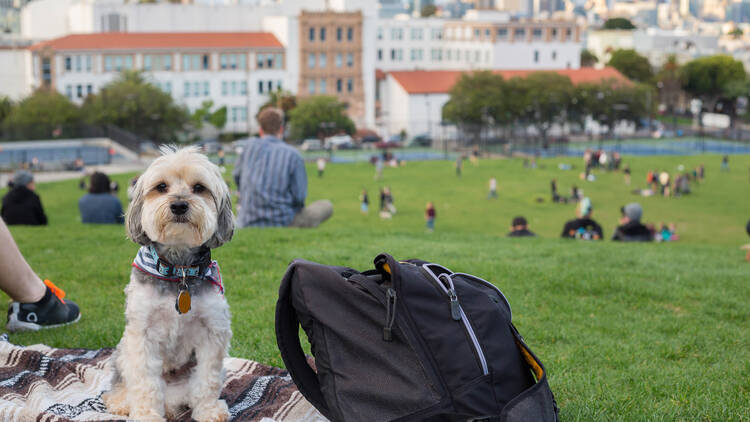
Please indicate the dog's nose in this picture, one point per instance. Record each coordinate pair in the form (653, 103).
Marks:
(179, 207)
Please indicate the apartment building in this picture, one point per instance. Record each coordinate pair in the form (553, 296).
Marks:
(232, 69)
(330, 58)
(435, 44)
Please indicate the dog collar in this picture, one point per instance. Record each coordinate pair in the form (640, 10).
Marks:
(149, 262)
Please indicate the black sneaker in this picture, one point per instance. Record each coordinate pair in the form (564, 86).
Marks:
(51, 311)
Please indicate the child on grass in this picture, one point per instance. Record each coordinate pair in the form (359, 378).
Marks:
(364, 202)
(429, 216)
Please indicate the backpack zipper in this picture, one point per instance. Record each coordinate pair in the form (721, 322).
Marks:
(461, 316)
(490, 285)
(390, 314)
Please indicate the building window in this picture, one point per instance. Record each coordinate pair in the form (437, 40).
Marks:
(224, 88)
(260, 87)
(396, 54)
(448, 55)
(397, 33)
(323, 60)
(554, 55)
(233, 61)
(349, 60)
(477, 33)
(323, 33)
(437, 34)
(568, 33)
(196, 89)
(416, 33)
(486, 32)
(269, 60)
(338, 85)
(519, 33)
(157, 62)
(279, 61)
(349, 85)
(79, 68)
(89, 89)
(206, 89)
(437, 54)
(79, 91)
(322, 86)
(146, 62)
(339, 33)
(340, 60)
(536, 56)
(350, 34)
(310, 86)
(118, 63)
(239, 114)
(278, 85)
(502, 33)
(88, 63)
(554, 33)
(68, 63)
(393, 54)
(69, 91)
(195, 62)
(233, 88)
(168, 87)
(186, 89)
(537, 33)
(243, 88)
(416, 54)
(311, 61)
(270, 86)
(478, 56)
(380, 54)
(380, 32)
(260, 60)
(311, 35)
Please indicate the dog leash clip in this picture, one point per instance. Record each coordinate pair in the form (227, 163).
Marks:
(183, 296)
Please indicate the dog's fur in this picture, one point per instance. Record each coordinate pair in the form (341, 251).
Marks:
(166, 361)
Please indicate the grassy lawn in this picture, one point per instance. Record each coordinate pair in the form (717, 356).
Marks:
(628, 332)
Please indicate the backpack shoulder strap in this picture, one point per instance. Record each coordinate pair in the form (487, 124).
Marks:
(287, 338)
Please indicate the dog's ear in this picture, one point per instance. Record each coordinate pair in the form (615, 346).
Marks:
(133, 225)
(225, 223)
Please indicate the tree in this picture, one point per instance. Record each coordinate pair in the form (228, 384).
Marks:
(5, 107)
(714, 78)
(611, 101)
(668, 82)
(284, 100)
(476, 100)
(428, 10)
(736, 33)
(319, 116)
(588, 59)
(43, 114)
(631, 64)
(217, 118)
(131, 103)
(547, 96)
(618, 23)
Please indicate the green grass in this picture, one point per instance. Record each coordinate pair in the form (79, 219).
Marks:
(631, 332)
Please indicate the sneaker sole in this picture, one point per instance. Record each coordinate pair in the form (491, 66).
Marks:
(15, 326)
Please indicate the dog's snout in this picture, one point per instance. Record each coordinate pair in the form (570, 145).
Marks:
(179, 207)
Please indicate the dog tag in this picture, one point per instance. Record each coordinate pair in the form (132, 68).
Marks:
(183, 302)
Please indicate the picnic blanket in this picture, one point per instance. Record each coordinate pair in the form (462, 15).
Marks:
(41, 383)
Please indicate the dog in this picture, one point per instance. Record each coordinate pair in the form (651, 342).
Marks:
(178, 325)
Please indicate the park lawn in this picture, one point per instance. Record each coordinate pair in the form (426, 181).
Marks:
(631, 332)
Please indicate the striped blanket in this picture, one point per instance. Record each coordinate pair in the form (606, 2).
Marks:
(40, 383)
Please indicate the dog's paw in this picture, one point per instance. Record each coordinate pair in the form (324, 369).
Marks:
(116, 402)
(216, 411)
(146, 416)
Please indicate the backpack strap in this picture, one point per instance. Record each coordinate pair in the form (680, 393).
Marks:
(287, 338)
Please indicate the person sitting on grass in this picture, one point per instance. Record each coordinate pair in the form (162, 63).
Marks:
(36, 304)
(99, 206)
(272, 182)
(583, 227)
(520, 228)
(21, 205)
(631, 229)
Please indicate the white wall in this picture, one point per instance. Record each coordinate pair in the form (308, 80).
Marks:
(45, 19)
(521, 55)
(15, 76)
(425, 113)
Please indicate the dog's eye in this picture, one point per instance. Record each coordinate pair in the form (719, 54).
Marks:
(198, 188)
(161, 187)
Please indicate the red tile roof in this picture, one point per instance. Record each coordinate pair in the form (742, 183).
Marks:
(441, 81)
(156, 40)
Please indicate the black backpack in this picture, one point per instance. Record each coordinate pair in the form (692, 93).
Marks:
(408, 341)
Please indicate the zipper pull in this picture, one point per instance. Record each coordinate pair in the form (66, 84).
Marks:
(390, 314)
(455, 306)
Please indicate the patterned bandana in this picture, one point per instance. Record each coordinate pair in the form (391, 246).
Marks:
(147, 261)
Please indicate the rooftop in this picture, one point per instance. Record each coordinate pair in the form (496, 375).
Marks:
(441, 81)
(157, 40)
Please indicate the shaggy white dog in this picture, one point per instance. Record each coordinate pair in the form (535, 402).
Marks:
(170, 355)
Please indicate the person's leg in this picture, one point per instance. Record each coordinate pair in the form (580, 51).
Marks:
(313, 214)
(17, 279)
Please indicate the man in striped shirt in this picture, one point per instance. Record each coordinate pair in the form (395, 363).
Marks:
(272, 182)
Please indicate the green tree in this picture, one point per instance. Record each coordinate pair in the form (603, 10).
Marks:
(547, 98)
(217, 118)
(5, 107)
(611, 101)
(319, 116)
(477, 100)
(668, 82)
(588, 59)
(428, 10)
(131, 103)
(618, 23)
(736, 33)
(714, 78)
(631, 64)
(284, 100)
(43, 114)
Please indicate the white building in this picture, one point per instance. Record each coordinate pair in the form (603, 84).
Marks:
(233, 69)
(437, 44)
(414, 100)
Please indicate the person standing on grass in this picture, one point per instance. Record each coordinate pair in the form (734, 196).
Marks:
(626, 172)
(459, 164)
(21, 205)
(520, 228)
(379, 163)
(321, 163)
(36, 303)
(493, 188)
(429, 216)
(272, 182)
(583, 227)
(725, 163)
(364, 202)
